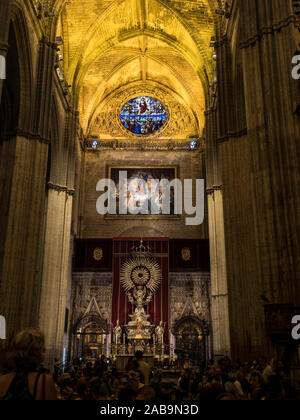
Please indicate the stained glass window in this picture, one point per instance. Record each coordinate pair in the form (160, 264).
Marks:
(143, 115)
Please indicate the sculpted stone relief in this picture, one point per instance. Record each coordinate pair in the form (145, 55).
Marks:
(87, 286)
(189, 296)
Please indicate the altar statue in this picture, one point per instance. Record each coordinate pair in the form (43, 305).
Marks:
(117, 333)
(139, 295)
(159, 333)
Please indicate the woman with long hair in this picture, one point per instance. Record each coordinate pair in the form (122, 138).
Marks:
(23, 360)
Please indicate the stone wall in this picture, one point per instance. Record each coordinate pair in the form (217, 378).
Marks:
(191, 165)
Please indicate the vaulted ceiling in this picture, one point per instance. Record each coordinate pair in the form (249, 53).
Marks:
(118, 49)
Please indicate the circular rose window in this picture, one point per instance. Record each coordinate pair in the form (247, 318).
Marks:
(143, 115)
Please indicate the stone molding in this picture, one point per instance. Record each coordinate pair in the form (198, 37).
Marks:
(268, 30)
(60, 188)
(148, 145)
(19, 132)
(213, 189)
(233, 134)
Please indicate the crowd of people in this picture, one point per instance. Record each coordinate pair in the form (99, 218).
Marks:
(258, 380)
(24, 378)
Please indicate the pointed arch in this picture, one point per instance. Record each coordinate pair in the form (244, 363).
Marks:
(25, 67)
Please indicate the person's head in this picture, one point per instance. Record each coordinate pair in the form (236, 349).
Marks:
(26, 352)
(240, 376)
(225, 397)
(133, 383)
(130, 364)
(133, 366)
(97, 390)
(194, 376)
(218, 372)
(147, 393)
(156, 378)
(230, 377)
(123, 382)
(127, 394)
(139, 355)
(81, 387)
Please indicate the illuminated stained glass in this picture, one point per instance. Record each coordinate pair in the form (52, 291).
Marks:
(143, 115)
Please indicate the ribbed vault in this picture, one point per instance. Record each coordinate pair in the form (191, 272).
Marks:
(112, 45)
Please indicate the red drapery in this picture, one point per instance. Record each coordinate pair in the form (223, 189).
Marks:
(159, 307)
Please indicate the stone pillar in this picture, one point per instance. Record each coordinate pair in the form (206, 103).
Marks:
(219, 289)
(23, 171)
(55, 270)
(23, 168)
(57, 252)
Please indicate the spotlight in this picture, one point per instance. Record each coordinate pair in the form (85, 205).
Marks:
(193, 145)
(94, 144)
(59, 40)
(2, 67)
(214, 57)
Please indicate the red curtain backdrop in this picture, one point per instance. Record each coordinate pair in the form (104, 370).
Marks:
(159, 307)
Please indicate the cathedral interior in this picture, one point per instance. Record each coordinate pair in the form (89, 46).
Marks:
(158, 89)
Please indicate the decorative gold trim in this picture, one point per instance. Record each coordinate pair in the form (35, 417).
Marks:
(186, 254)
(98, 254)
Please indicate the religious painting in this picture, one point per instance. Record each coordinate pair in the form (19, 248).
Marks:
(143, 115)
(144, 191)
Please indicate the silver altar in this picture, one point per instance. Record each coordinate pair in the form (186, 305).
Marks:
(140, 277)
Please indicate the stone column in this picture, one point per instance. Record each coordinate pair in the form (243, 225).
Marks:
(55, 270)
(219, 289)
(22, 222)
(23, 168)
(57, 252)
